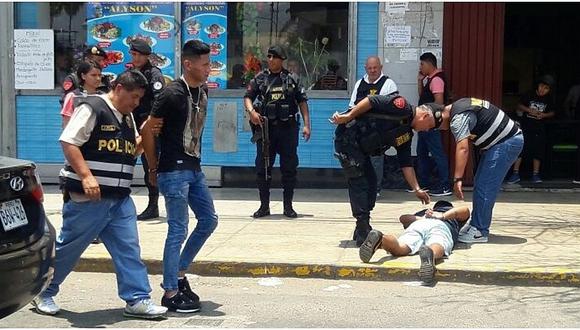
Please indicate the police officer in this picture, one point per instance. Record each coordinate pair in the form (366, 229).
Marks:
(140, 52)
(373, 125)
(499, 141)
(71, 81)
(278, 95)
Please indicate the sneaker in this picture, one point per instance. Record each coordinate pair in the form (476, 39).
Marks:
(472, 235)
(441, 192)
(427, 269)
(576, 181)
(412, 190)
(145, 309)
(45, 305)
(536, 178)
(514, 178)
(151, 212)
(183, 287)
(180, 303)
(370, 245)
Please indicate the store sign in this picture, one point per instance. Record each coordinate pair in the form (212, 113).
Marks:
(33, 59)
(114, 25)
(207, 21)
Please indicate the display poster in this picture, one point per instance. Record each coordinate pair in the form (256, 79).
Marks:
(114, 25)
(33, 59)
(207, 21)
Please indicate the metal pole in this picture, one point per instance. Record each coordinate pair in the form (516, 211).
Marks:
(7, 92)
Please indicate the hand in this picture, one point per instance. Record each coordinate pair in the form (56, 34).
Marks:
(457, 189)
(423, 196)
(255, 118)
(340, 119)
(91, 188)
(432, 214)
(306, 133)
(420, 76)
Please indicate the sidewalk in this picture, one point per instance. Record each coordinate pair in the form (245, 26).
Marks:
(535, 239)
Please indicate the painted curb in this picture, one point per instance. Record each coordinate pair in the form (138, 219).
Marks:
(563, 278)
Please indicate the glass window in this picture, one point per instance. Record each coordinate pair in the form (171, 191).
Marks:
(314, 35)
(67, 19)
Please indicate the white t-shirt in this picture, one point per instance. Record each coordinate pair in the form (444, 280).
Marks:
(388, 87)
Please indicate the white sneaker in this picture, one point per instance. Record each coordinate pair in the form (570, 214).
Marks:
(145, 309)
(472, 235)
(45, 306)
(465, 227)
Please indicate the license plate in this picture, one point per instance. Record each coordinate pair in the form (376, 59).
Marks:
(12, 215)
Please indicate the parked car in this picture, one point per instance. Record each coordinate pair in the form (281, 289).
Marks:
(26, 236)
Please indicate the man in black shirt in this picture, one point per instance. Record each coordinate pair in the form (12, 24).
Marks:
(275, 95)
(431, 232)
(182, 109)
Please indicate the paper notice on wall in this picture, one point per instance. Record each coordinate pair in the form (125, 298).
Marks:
(398, 34)
(225, 127)
(33, 59)
(409, 54)
(397, 7)
(435, 43)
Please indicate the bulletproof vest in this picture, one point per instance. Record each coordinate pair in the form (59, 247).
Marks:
(387, 124)
(427, 96)
(109, 152)
(146, 103)
(365, 89)
(74, 85)
(493, 125)
(279, 95)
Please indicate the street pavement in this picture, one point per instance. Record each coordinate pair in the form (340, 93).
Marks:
(535, 239)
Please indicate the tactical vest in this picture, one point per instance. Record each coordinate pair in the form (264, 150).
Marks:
(365, 89)
(109, 153)
(493, 125)
(282, 108)
(104, 88)
(427, 96)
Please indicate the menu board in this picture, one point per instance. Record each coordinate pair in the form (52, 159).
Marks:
(33, 59)
(207, 21)
(114, 25)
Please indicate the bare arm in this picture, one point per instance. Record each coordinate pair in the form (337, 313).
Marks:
(409, 174)
(306, 116)
(363, 106)
(77, 162)
(461, 156)
(148, 143)
(439, 98)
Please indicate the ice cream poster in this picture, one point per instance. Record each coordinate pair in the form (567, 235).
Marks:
(207, 21)
(114, 25)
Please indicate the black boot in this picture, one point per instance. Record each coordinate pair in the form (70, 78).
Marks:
(362, 230)
(264, 209)
(288, 195)
(152, 210)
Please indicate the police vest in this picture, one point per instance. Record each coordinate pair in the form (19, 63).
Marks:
(387, 124)
(146, 102)
(365, 89)
(278, 95)
(109, 152)
(74, 84)
(427, 96)
(493, 125)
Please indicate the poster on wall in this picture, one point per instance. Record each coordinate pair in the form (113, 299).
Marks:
(114, 25)
(207, 21)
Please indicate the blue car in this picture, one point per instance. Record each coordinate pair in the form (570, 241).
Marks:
(26, 236)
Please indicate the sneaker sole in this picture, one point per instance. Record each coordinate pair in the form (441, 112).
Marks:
(369, 246)
(177, 310)
(513, 182)
(472, 241)
(427, 269)
(144, 316)
(41, 311)
(441, 194)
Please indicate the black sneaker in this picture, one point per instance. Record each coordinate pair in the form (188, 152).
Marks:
(184, 288)
(180, 303)
(261, 212)
(427, 269)
(370, 245)
(151, 212)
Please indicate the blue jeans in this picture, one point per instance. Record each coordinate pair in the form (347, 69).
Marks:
(180, 189)
(114, 220)
(492, 169)
(430, 141)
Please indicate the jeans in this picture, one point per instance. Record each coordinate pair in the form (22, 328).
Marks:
(114, 221)
(430, 141)
(378, 164)
(492, 169)
(180, 189)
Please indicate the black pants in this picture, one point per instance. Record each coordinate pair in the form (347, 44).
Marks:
(577, 177)
(284, 142)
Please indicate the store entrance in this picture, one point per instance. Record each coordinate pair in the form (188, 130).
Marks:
(540, 39)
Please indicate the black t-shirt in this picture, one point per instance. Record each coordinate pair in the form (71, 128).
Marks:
(180, 138)
(542, 103)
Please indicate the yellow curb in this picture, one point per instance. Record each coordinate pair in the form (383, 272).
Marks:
(538, 277)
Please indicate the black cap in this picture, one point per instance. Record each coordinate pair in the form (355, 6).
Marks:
(95, 50)
(277, 51)
(141, 46)
(437, 110)
(548, 80)
(442, 205)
